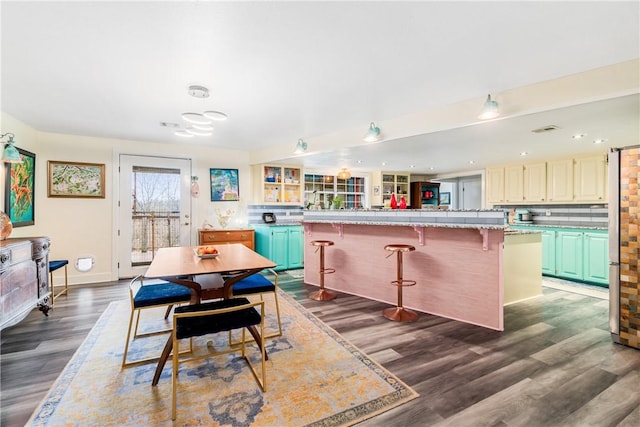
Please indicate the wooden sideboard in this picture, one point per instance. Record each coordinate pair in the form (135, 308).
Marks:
(24, 278)
(218, 237)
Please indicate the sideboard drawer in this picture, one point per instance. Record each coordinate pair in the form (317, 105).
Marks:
(213, 237)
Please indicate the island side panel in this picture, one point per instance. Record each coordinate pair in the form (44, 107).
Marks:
(456, 278)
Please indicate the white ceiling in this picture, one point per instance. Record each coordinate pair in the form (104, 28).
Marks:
(289, 70)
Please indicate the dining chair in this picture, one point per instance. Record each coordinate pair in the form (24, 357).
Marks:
(213, 317)
(260, 285)
(147, 296)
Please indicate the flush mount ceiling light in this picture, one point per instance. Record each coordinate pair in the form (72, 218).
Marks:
(197, 132)
(207, 128)
(344, 174)
(196, 118)
(10, 154)
(215, 115)
(198, 91)
(183, 133)
(489, 109)
(373, 134)
(301, 147)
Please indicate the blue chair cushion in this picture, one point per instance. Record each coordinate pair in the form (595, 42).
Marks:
(201, 325)
(161, 294)
(54, 265)
(254, 284)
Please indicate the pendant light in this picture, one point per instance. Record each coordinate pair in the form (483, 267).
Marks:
(301, 147)
(489, 109)
(344, 174)
(10, 154)
(373, 134)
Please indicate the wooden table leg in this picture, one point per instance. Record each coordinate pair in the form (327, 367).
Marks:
(163, 359)
(256, 336)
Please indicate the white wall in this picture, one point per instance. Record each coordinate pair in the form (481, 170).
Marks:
(87, 226)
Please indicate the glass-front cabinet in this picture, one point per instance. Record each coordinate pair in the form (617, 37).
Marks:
(278, 184)
(395, 183)
(321, 190)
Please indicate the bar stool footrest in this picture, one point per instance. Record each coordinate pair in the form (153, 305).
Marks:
(403, 282)
(328, 271)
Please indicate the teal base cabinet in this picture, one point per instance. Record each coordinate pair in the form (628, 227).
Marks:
(282, 244)
(549, 253)
(569, 255)
(596, 258)
(574, 254)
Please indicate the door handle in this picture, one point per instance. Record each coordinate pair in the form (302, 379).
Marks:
(186, 223)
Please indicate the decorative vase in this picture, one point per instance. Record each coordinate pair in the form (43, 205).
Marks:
(403, 202)
(5, 226)
(394, 202)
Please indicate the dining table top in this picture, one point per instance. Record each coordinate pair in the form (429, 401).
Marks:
(183, 261)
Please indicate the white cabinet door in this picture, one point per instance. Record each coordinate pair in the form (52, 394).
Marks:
(495, 185)
(513, 184)
(535, 182)
(589, 179)
(560, 180)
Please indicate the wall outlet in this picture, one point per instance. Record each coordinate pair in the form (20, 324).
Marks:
(547, 212)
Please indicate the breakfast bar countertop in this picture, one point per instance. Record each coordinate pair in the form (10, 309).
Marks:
(476, 219)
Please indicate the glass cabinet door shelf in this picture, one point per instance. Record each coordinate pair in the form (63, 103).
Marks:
(395, 183)
(277, 184)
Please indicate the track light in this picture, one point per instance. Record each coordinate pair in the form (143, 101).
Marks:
(489, 109)
(301, 147)
(373, 134)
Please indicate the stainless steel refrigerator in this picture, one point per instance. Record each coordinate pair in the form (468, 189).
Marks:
(624, 209)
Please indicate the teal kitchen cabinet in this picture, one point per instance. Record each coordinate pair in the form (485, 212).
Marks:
(575, 254)
(549, 253)
(569, 255)
(282, 244)
(596, 257)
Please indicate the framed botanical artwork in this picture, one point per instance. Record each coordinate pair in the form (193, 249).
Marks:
(224, 185)
(445, 198)
(75, 179)
(20, 189)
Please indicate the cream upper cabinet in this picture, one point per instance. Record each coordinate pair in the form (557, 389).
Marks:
(560, 180)
(513, 184)
(535, 182)
(495, 186)
(589, 179)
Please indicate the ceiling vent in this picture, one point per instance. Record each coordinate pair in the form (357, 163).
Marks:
(543, 129)
(199, 91)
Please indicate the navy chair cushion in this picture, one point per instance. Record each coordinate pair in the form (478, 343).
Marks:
(201, 325)
(254, 284)
(54, 265)
(161, 294)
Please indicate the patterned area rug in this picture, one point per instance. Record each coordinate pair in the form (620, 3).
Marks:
(314, 377)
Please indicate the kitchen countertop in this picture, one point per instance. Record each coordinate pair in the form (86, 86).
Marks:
(559, 226)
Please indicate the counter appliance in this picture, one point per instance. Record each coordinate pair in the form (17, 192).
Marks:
(624, 314)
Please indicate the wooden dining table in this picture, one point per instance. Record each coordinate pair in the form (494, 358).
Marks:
(182, 265)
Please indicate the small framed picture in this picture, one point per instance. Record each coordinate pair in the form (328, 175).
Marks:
(20, 190)
(445, 198)
(74, 179)
(224, 185)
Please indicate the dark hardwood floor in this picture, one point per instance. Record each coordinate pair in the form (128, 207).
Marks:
(554, 365)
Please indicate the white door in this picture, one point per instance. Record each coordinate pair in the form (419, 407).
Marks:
(154, 209)
(471, 192)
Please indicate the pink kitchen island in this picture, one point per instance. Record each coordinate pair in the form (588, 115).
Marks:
(460, 263)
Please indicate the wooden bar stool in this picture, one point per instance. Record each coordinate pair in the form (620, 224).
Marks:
(399, 313)
(322, 294)
(53, 266)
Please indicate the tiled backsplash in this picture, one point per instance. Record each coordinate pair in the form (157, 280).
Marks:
(566, 215)
(284, 214)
